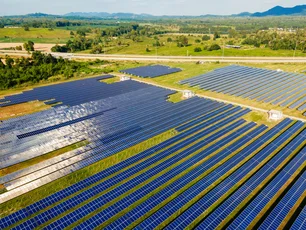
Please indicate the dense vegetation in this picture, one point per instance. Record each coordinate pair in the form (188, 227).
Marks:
(276, 41)
(14, 72)
(100, 37)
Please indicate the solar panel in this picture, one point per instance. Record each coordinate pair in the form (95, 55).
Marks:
(151, 71)
(255, 84)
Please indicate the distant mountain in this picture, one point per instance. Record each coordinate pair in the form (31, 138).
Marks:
(106, 15)
(243, 14)
(39, 15)
(282, 11)
(276, 11)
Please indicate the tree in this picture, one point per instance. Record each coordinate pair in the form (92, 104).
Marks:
(157, 43)
(81, 32)
(169, 39)
(206, 38)
(28, 46)
(197, 49)
(71, 33)
(9, 61)
(19, 48)
(26, 28)
(182, 41)
(148, 50)
(216, 35)
(197, 41)
(98, 49)
(61, 49)
(1, 64)
(214, 47)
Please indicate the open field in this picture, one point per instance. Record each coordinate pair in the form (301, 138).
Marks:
(44, 47)
(171, 49)
(37, 35)
(128, 46)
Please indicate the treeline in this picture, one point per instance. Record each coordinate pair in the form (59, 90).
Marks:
(276, 41)
(52, 22)
(14, 72)
(241, 24)
(204, 30)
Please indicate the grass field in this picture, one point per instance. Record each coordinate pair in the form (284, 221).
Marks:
(170, 48)
(37, 35)
(128, 46)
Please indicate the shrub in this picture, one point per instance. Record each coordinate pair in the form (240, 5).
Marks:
(214, 47)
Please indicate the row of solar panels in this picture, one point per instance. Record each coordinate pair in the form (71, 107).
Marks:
(278, 88)
(151, 71)
(150, 117)
(168, 143)
(69, 93)
(48, 120)
(190, 173)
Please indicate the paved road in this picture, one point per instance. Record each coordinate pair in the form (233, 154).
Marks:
(118, 57)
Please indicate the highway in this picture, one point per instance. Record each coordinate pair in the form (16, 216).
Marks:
(119, 57)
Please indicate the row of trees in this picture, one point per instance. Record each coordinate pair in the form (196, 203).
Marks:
(14, 72)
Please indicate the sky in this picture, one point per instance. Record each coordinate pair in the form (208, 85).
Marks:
(155, 7)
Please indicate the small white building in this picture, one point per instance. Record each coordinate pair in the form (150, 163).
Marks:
(275, 115)
(279, 70)
(124, 78)
(188, 94)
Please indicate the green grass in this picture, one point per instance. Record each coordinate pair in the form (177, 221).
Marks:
(259, 118)
(2, 189)
(111, 80)
(176, 97)
(171, 49)
(37, 35)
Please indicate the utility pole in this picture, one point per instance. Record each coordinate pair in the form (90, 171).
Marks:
(156, 49)
(223, 49)
(295, 48)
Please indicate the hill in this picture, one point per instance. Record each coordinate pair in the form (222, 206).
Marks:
(106, 15)
(282, 11)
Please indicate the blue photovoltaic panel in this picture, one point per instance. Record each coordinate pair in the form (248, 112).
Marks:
(75, 92)
(282, 209)
(255, 84)
(151, 71)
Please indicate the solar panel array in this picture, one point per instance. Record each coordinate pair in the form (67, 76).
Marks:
(273, 87)
(218, 170)
(69, 93)
(151, 71)
(214, 145)
(110, 125)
